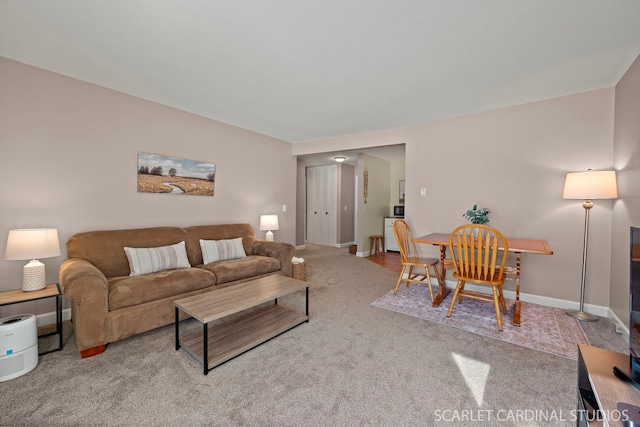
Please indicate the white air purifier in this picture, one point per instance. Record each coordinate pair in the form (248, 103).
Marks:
(18, 346)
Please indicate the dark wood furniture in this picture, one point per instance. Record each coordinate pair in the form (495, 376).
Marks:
(517, 246)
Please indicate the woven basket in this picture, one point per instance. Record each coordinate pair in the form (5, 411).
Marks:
(299, 271)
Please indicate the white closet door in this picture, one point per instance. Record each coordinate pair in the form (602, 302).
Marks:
(322, 190)
(314, 191)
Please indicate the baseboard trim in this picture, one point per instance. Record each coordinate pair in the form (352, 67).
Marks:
(598, 310)
(344, 245)
(620, 325)
(50, 318)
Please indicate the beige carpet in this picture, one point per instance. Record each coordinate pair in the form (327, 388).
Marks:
(542, 328)
(353, 364)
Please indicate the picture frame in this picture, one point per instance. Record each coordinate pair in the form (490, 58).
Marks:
(162, 174)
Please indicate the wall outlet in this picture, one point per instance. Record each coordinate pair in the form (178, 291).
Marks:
(423, 192)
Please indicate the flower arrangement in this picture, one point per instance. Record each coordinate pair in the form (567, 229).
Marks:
(477, 216)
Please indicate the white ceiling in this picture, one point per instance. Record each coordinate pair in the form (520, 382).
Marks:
(390, 153)
(301, 70)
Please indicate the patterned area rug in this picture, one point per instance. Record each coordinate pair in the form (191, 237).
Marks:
(542, 328)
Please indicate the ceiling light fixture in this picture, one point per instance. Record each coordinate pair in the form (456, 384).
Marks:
(339, 159)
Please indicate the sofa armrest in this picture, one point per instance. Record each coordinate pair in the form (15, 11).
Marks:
(88, 289)
(282, 251)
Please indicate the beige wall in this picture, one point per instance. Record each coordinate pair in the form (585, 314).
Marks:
(69, 153)
(513, 161)
(626, 210)
(301, 202)
(397, 174)
(372, 213)
(346, 204)
(69, 159)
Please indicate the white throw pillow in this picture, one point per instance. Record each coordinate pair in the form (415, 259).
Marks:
(151, 260)
(220, 250)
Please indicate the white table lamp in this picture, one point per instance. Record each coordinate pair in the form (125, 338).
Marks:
(268, 223)
(588, 186)
(24, 244)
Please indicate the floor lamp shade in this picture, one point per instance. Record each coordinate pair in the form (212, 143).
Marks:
(268, 223)
(31, 244)
(588, 186)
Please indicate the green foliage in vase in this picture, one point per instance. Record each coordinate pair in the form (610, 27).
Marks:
(477, 216)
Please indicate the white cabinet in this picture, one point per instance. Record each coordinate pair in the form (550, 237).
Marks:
(390, 243)
(322, 205)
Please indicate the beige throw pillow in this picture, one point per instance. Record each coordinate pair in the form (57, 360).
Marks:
(220, 250)
(151, 260)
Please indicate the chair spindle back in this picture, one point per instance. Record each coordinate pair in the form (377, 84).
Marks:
(475, 250)
(404, 237)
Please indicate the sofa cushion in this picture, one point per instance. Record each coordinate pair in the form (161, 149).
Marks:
(237, 269)
(104, 248)
(217, 232)
(151, 260)
(126, 291)
(220, 250)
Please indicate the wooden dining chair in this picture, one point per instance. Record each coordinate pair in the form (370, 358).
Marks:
(476, 258)
(410, 260)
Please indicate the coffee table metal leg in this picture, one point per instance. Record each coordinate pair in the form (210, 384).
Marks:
(59, 319)
(177, 330)
(205, 353)
(307, 304)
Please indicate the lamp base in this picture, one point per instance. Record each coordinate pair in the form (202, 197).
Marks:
(581, 315)
(33, 276)
(269, 236)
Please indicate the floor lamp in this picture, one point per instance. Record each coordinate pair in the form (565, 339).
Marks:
(588, 186)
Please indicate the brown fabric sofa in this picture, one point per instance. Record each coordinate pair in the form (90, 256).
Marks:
(108, 305)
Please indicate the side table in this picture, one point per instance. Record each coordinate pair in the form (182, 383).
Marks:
(18, 296)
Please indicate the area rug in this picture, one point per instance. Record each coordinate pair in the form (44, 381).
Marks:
(542, 328)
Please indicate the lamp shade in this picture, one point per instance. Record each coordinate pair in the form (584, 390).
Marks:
(269, 222)
(23, 244)
(590, 185)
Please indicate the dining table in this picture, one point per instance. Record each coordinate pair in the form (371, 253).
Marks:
(516, 245)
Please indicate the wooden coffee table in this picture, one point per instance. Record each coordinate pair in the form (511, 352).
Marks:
(246, 331)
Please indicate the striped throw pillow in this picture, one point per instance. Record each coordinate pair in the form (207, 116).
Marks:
(220, 250)
(151, 260)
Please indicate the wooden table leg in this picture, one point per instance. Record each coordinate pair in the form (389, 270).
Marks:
(516, 311)
(443, 291)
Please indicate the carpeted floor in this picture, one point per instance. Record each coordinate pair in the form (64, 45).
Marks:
(542, 328)
(352, 364)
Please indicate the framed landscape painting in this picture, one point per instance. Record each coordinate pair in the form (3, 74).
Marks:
(172, 175)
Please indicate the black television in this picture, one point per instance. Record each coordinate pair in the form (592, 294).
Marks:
(632, 372)
(634, 303)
